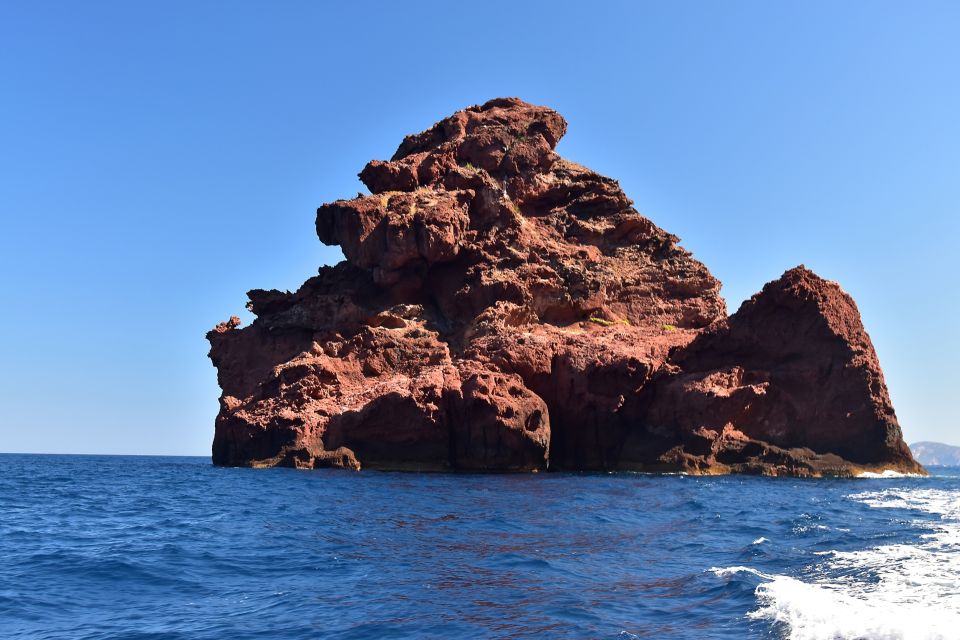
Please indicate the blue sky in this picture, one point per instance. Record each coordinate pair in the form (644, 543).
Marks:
(159, 159)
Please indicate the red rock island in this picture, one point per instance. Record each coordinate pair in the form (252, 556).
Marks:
(503, 309)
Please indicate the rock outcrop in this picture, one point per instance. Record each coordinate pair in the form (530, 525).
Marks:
(503, 309)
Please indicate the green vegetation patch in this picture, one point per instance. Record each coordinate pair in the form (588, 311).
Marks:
(603, 322)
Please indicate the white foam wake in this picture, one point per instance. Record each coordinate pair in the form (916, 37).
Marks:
(890, 592)
(815, 611)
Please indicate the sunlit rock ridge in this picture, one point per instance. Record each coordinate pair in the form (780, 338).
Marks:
(501, 308)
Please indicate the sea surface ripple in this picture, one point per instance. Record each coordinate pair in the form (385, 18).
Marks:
(97, 547)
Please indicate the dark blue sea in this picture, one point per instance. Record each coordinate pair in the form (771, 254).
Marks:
(164, 547)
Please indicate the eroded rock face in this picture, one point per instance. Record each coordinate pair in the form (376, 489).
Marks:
(793, 368)
(503, 309)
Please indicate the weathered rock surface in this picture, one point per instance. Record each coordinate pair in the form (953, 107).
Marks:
(503, 309)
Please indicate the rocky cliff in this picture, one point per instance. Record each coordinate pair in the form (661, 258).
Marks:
(503, 309)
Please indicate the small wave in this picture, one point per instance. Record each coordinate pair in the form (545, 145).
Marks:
(889, 473)
(723, 572)
(806, 529)
(760, 540)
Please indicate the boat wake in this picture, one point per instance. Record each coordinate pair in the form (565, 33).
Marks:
(889, 592)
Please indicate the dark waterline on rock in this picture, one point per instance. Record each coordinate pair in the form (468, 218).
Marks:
(169, 547)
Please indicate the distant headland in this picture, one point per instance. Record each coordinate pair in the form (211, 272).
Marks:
(936, 453)
(503, 309)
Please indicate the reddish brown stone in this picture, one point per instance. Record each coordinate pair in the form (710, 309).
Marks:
(501, 308)
(793, 368)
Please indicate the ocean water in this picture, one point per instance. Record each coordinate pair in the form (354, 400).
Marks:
(158, 547)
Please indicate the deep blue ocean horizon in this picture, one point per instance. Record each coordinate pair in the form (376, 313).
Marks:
(173, 547)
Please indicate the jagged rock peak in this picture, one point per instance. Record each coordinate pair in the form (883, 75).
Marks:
(503, 137)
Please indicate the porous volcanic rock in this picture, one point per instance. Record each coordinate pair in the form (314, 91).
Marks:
(503, 309)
